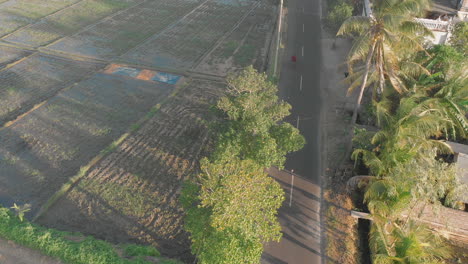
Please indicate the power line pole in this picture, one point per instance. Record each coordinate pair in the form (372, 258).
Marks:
(278, 37)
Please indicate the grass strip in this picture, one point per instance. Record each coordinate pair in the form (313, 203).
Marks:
(72, 248)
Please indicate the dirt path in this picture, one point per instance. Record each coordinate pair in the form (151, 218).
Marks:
(11, 253)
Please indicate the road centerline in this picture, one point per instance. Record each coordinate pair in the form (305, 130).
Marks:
(300, 84)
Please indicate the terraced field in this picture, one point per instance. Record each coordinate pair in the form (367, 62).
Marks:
(133, 193)
(41, 151)
(114, 36)
(15, 14)
(35, 79)
(76, 75)
(181, 45)
(246, 45)
(67, 21)
(10, 55)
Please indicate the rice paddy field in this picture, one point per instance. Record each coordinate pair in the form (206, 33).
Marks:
(104, 107)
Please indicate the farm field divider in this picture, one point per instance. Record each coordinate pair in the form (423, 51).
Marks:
(182, 44)
(246, 44)
(80, 16)
(226, 35)
(132, 193)
(41, 151)
(102, 154)
(15, 14)
(35, 78)
(114, 36)
(10, 55)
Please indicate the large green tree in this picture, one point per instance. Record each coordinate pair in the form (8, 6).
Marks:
(231, 208)
(251, 124)
(235, 213)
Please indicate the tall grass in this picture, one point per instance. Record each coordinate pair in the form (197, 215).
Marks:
(54, 243)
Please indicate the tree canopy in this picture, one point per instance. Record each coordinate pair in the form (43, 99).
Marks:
(232, 206)
(251, 124)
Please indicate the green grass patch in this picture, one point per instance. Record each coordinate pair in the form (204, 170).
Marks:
(229, 49)
(135, 250)
(245, 55)
(56, 244)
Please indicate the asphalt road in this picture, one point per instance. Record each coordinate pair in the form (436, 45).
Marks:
(300, 83)
(300, 86)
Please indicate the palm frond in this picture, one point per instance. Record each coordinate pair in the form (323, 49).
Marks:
(355, 24)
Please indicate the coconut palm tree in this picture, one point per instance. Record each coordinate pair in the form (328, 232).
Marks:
(450, 98)
(407, 133)
(395, 238)
(382, 38)
(411, 243)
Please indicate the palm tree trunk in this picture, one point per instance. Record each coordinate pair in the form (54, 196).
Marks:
(363, 85)
(358, 103)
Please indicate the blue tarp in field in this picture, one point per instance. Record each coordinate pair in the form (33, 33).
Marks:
(127, 71)
(166, 77)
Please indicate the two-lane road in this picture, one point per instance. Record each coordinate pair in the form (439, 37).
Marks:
(300, 83)
(300, 86)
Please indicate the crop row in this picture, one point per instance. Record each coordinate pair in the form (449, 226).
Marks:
(182, 44)
(44, 149)
(134, 191)
(68, 21)
(18, 13)
(243, 45)
(10, 55)
(35, 79)
(115, 35)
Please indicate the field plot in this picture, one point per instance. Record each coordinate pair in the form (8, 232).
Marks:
(68, 21)
(10, 55)
(112, 37)
(44, 149)
(35, 79)
(132, 194)
(182, 44)
(245, 46)
(17, 13)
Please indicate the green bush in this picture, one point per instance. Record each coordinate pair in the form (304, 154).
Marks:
(459, 39)
(337, 14)
(54, 243)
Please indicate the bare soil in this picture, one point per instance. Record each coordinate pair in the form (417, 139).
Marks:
(44, 149)
(132, 194)
(35, 79)
(246, 45)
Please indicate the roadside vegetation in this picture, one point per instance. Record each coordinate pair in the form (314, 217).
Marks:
(418, 98)
(72, 248)
(232, 205)
(338, 12)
